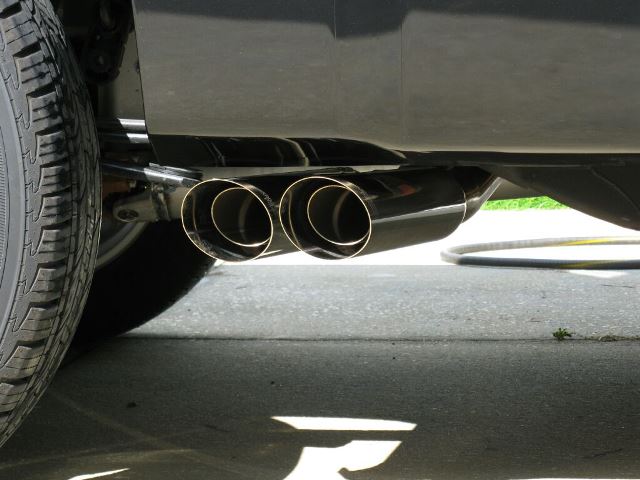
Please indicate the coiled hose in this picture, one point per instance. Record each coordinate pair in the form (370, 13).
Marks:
(461, 255)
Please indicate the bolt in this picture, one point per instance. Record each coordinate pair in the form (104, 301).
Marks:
(127, 215)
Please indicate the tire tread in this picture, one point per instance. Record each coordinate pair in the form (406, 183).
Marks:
(59, 147)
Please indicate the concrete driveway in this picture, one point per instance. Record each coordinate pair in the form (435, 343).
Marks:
(373, 369)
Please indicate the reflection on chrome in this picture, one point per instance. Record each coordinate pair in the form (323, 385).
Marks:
(326, 463)
(99, 475)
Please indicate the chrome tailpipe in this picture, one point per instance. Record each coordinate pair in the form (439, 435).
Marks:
(342, 216)
(330, 215)
(234, 220)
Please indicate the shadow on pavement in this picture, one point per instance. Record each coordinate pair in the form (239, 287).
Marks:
(202, 409)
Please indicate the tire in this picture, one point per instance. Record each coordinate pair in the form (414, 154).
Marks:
(49, 203)
(154, 273)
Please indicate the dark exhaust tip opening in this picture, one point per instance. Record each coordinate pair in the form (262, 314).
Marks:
(241, 218)
(338, 215)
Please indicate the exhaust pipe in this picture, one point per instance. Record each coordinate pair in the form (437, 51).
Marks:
(236, 221)
(339, 217)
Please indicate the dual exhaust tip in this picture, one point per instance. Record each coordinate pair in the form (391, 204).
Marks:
(329, 217)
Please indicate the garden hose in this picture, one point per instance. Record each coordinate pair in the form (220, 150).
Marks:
(461, 255)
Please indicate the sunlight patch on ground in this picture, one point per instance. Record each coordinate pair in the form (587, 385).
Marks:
(90, 476)
(346, 424)
(599, 273)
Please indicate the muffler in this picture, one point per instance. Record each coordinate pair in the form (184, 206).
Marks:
(234, 220)
(342, 216)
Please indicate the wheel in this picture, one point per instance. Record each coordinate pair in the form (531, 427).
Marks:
(49, 202)
(151, 275)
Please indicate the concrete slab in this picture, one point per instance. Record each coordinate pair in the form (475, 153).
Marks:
(463, 356)
(400, 302)
(202, 410)
(382, 297)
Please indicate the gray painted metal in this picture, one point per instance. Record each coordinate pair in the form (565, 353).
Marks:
(482, 75)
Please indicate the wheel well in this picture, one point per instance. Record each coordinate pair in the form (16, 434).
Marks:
(103, 36)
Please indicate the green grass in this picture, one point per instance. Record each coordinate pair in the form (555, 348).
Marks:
(536, 203)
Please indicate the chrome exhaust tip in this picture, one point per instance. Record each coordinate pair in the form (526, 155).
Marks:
(326, 217)
(229, 220)
(347, 215)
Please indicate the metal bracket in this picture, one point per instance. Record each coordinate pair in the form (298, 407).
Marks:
(167, 176)
(166, 187)
(152, 205)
